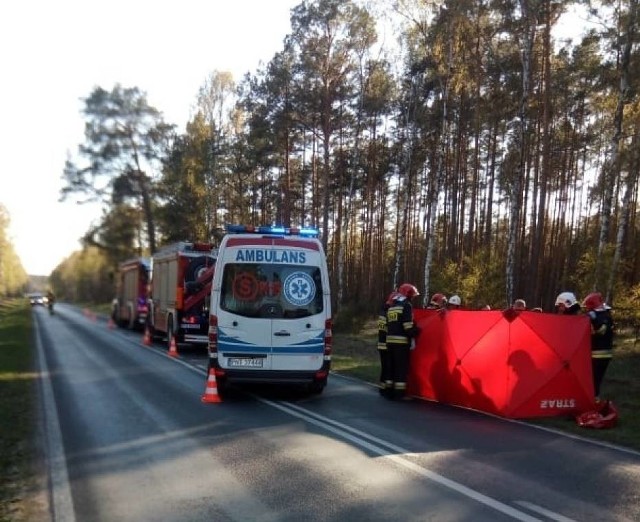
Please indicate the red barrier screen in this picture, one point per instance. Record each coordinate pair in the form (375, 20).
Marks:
(512, 364)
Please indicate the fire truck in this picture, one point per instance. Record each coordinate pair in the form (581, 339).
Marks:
(180, 292)
(129, 308)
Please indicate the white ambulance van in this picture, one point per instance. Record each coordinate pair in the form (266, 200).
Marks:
(270, 316)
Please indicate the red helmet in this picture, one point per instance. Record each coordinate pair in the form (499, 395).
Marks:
(392, 297)
(408, 290)
(438, 300)
(593, 301)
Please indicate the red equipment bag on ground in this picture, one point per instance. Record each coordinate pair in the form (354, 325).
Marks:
(604, 416)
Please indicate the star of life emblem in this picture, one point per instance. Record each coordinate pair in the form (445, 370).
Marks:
(299, 289)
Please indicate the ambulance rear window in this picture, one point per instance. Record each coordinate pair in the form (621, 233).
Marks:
(271, 290)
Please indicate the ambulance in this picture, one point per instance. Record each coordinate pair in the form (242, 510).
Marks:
(270, 317)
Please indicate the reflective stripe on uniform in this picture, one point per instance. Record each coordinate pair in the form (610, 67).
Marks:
(400, 385)
(397, 339)
(601, 354)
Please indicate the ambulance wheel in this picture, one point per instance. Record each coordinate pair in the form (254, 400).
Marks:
(222, 385)
(316, 387)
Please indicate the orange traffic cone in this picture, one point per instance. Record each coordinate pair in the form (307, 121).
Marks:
(173, 347)
(211, 391)
(146, 340)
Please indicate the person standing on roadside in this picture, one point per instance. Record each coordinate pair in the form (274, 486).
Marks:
(454, 303)
(386, 380)
(567, 304)
(400, 331)
(438, 302)
(51, 299)
(519, 305)
(602, 330)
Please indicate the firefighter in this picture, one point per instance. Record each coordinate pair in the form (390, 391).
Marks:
(386, 382)
(400, 331)
(438, 302)
(602, 331)
(567, 304)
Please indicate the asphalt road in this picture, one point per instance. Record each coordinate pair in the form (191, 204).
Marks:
(128, 438)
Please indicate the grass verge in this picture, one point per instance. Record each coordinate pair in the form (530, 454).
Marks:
(356, 355)
(19, 477)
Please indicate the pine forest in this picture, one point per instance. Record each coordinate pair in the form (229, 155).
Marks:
(485, 148)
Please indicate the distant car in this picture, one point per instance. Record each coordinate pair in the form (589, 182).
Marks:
(36, 299)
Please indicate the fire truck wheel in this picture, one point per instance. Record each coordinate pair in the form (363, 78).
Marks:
(196, 267)
(131, 324)
(170, 332)
(116, 315)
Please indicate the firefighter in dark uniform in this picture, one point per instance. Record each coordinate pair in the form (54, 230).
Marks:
(400, 331)
(602, 329)
(386, 382)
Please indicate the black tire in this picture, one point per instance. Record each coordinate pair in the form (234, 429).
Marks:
(316, 387)
(196, 267)
(131, 324)
(222, 385)
(152, 332)
(170, 332)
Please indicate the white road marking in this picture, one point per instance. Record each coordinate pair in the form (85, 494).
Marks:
(542, 511)
(61, 500)
(383, 448)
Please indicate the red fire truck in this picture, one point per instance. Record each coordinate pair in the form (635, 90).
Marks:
(180, 292)
(129, 308)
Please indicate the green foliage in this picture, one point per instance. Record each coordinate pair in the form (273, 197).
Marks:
(13, 278)
(479, 281)
(85, 276)
(338, 133)
(352, 317)
(125, 138)
(186, 184)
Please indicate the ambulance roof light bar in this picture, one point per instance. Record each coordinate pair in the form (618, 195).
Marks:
(273, 230)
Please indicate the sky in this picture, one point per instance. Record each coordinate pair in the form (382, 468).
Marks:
(53, 54)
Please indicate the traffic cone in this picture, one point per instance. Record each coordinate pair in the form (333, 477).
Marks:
(173, 347)
(146, 340)
(211, 391)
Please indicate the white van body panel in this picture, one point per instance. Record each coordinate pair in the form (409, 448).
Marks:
(271, 299)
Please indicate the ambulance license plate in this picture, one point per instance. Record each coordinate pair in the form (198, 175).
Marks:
(245, 362)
